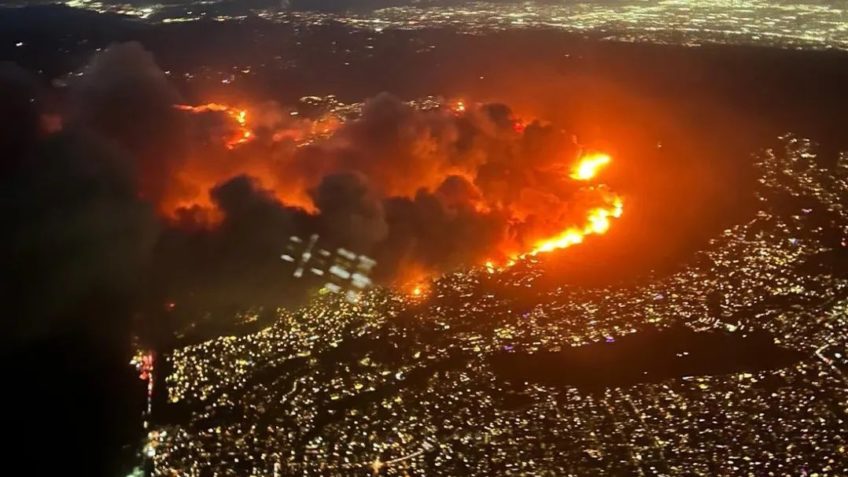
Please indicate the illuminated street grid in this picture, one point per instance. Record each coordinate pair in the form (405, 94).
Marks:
(400, 385)
(792, 24)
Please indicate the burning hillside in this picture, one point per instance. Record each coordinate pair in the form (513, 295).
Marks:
(242, 133)
(422, 187)
(434, 187)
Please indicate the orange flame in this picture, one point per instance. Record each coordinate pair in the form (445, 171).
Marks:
(598, 219)
(416, 291)
(589, 166)
(458, 107)
(597, 223)
(243, 133)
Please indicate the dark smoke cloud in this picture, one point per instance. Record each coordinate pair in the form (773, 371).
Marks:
(420, 191)
(123, 95)
(77, 243)
(78, 233)
(391, 136)
(401, 149)
(19, 114)
(456, 193)
(350, 211)
(234, 265)
(434, 231)
(416, 190)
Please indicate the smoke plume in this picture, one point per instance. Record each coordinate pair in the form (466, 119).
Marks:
(420, 190)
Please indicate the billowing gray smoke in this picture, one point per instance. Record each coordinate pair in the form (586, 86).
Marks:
(420, 191)
(76, 246)
(124, 96)
(77, 233)
(351, 212)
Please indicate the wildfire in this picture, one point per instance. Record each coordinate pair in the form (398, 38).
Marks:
(598, 219)
(555, 229)
(242, 135)
(458, 107)
(597, 223)
(589, 166)
(417, 290)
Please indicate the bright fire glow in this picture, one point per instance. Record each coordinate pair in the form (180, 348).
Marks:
(598, 219)
(589, 166)
(458, 107)
(597, 223)
(418, 290)
(243, 133)
(559, 229)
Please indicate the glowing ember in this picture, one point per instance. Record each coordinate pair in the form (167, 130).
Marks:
(589, 166)
(418, 289)
(243, 133)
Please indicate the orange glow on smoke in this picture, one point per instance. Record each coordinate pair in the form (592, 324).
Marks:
(551, 221)
(243, 133)
(598, 219)
(458, 107)
(416, 290)
(589, 166)
(201, 171)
